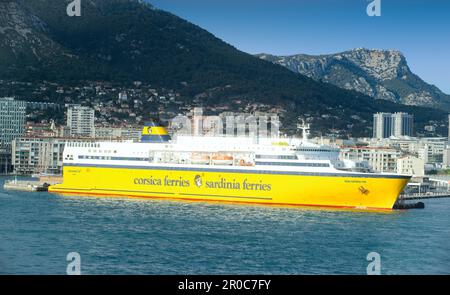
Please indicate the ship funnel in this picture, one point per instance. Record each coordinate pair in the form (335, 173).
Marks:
(153, 132)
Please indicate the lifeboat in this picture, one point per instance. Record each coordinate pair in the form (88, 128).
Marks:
(197, 158)
(222, 159)
(244, 162)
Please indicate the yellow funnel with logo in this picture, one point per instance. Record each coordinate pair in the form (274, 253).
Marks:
(152, 132)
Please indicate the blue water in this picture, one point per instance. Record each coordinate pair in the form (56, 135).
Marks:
(124, 236)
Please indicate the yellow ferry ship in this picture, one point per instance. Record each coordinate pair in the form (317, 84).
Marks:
(277, 171)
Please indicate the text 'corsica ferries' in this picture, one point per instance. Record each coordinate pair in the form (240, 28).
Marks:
(282, 171)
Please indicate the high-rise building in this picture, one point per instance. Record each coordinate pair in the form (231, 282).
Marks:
(382, 125)
(12, 125)
(12, 120)
(80, 120)
(448, 136)
(402, 124)
(388, 124)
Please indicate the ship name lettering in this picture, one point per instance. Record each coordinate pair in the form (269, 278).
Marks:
(176, 182)
(256, 186)
(147, 181)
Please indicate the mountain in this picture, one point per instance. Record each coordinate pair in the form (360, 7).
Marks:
(129, 40)
(381, 74)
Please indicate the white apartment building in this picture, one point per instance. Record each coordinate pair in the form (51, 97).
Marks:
(411, 165)
(32, 155)
(80, 120)
(430, 149)
(380, 159)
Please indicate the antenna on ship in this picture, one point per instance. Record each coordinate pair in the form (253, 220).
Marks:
(305, 129)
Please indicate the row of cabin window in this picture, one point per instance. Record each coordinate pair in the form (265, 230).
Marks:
(294, 164)
(279, 157)
(113, 158)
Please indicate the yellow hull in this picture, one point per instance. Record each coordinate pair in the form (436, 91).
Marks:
(343, 191)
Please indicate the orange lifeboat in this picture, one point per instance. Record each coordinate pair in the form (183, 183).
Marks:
(243, 162)
(222, 159)
(198, 158)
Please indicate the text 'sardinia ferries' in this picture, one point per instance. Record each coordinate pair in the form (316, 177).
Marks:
(281, 171)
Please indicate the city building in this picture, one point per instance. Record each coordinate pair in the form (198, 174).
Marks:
(380, 159)
(80, 120)
(33, 155)
(125, 133)
(123, 96)
(386, 125)
(41, 129)
(382, 125)
(402, 124)
(411, 165)
(448, 135)
(12, 125)
(446, 157)
(430, 149)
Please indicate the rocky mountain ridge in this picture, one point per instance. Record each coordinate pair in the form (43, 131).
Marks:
(381, 74)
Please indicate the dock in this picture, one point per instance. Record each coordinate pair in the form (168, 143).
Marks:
(26, 185)
(40, 185)
(427, 195)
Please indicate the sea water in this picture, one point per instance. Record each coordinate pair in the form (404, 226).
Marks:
(129, 236)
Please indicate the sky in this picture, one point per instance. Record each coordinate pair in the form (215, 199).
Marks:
(420, 29)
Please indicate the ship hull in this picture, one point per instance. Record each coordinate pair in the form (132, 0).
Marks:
(340, 190)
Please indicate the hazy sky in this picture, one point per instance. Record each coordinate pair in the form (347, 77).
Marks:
(418, 28)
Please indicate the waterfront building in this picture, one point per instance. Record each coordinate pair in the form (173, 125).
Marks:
(80, 120)
(430, 149)
(12, 120)
(5, 161)
(33, 155)
(12, 125)
(380, 159)
(432, 152)
(411, 165)
(446, 157)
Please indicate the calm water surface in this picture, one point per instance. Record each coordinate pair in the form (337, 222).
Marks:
(125, 236)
